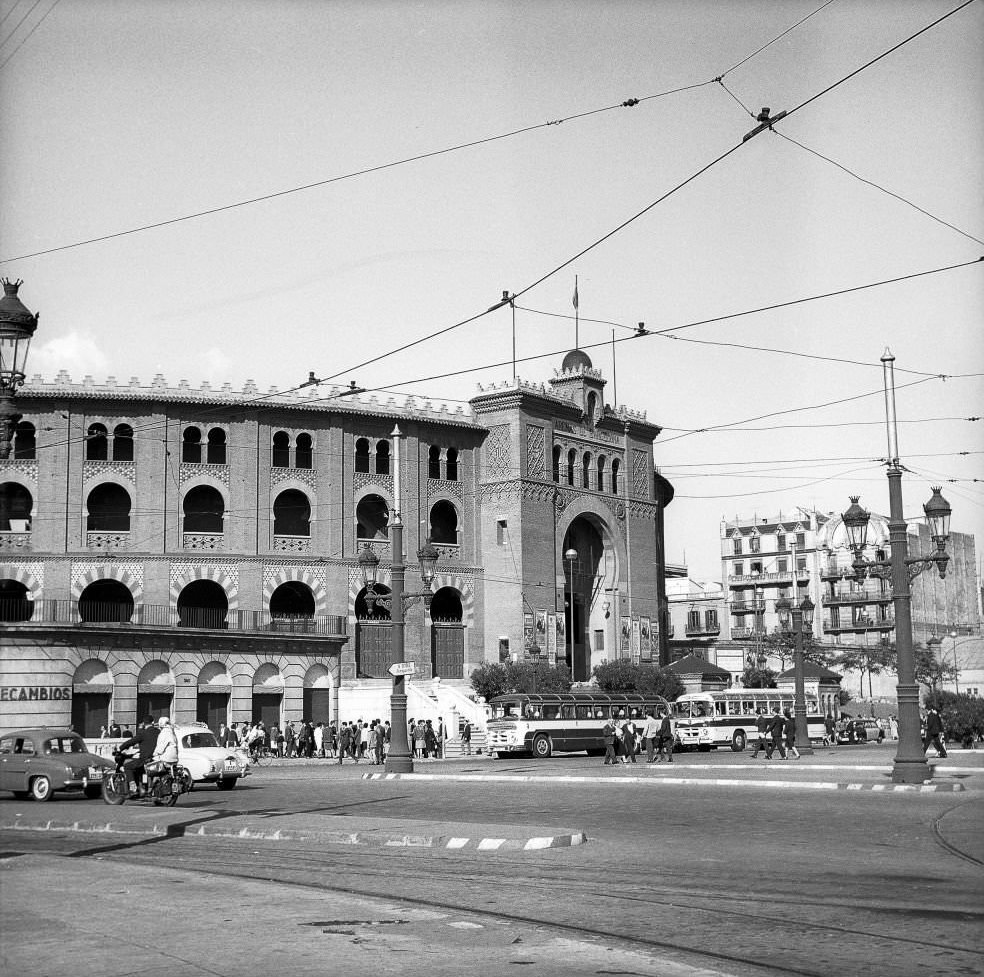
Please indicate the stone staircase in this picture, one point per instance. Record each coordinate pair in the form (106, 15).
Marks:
(479, 745)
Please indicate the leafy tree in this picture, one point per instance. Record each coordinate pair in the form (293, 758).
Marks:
(869, 660)
(782, 645)
(758, 677)
(622, 676)
(493, 678)
(843, 697)
(931, 670)
(962, 715)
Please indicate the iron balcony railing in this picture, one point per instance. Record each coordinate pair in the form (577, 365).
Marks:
(697, 629)
(82, 612)
(856, 598)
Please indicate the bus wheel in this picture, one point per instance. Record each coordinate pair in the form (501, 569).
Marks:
(738, 741)
(541, 747)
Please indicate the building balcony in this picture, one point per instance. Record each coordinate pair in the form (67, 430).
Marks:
(703, 630)
(15, 539)
(448, 552)
(291, 544)
(61, 613)
(107, 541)
(748, 606)
(776, 577)
(830, 599)
(858, 626)
(744, 634)
(203, 541)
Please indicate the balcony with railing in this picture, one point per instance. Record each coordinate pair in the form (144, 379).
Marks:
(859, 625)
(772, 577)
(747, 606)
(62, 613)
(855, 598)
(744, 634)
(699, 630)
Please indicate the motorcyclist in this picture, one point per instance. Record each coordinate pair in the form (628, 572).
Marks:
(146, 739)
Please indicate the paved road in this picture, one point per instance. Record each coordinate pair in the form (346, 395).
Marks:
(742, 880)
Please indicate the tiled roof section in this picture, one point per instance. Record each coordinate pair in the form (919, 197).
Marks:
(308, 398)
(695, 665)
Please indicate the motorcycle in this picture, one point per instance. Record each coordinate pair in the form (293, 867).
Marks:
(162, 783)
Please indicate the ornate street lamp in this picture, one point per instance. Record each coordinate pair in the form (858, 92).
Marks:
(399, 759)
(570, 557)
(910, 760)
(17, 326)
(797, 618)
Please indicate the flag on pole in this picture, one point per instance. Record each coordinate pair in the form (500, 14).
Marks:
(574, 300)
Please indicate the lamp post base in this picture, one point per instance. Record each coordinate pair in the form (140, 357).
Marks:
(398, 764)
(399, 759)
(911, 771)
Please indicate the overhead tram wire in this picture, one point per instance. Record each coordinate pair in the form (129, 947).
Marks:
(877, 186)
(628, 103)
(27, 36)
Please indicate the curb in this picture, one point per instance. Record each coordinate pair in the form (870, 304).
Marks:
(679, 781)
(379, 839)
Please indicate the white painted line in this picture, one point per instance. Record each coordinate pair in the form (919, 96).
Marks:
(456, 843)
(534, 843)
(491, 844)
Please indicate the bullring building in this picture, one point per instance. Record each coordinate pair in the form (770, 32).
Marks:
(194, 552)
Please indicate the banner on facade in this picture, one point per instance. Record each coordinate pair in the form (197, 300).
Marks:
(527, 629)
(636, 637)
(645, 640)
(552, 637)
(561, 632)
(626, 637)
(540, 637)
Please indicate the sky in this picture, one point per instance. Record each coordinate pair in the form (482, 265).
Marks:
(119, 116)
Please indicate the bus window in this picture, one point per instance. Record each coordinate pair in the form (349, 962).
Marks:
(567, 712)
(734, 708)
(550, 712)
(748, 708)
(506, 710)
(720, 707)
(582, 712)
(682, 709)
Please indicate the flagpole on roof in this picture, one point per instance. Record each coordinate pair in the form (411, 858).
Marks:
(577, 322)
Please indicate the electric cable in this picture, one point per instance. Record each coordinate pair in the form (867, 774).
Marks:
(871, 183)
(6, 60)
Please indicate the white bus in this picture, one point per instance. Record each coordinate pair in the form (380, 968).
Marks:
(562, 722)
(711, 719)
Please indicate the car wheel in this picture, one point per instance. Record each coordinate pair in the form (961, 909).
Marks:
(541, 747)
(738, 741)
(93, 791)
(227, 783)
(41, 789)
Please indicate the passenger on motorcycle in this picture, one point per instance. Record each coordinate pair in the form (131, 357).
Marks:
(166, 750)
(146, 739)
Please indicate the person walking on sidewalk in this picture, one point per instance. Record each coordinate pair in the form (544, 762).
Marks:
(629, 741)
(466, 738)
(829, 730)
(934, 732)
(667, 736)
(650, 735)
(789, 729)
(761, 727)
(344, 741)
(775, 729)
(608, 737)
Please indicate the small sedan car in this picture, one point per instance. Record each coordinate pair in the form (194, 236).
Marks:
(38, 762)
(860, 731)
(207, 762)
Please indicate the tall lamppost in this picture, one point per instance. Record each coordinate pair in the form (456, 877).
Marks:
(570, 557)
(798, 618)
(910, 760)
(399, 759)
(17, 326)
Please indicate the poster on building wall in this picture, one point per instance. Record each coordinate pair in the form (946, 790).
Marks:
(527, 629)
(561, 637)
(541, 629)
(636, 636)
(551, 637)
(645, 640)
(626, 637)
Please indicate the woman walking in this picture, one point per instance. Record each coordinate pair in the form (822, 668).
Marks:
(789, 728)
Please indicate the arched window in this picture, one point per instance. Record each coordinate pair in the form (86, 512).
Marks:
(25, 445)
(615, 472)
(372, 516)
(204, 510)
(382, 457)
(571, 465)
(106, 601)
(592, 409)
(123, 443)
(97, 443)
(15, 508)
(108, 509)
(281, 450)
(443, 523)
(304, 451)
(362, 455)
(452, 465)
(601, 473)
(586, 470)
(434, 462)
(556, 462)
(191, 446)
(216, 447)
(291, 514)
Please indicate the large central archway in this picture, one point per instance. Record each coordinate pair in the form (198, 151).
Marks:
(590, 579)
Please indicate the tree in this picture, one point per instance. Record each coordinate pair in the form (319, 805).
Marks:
(492, 678)
(782, 645)
(930, 670)
(962, 715)
(867, 659)
(758, 677)
(622, 676)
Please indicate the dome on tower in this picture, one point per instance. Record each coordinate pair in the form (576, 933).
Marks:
(576, 359)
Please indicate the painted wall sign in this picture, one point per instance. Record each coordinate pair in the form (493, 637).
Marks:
(34, 693)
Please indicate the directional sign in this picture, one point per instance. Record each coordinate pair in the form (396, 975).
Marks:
(402, 668)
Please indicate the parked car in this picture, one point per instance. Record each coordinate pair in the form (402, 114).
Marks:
(207, 762)
(38, 762)
(860, 731)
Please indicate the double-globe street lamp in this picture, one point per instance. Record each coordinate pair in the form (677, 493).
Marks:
(798, 618)
(910, 760)
(17, 326)
(399, 758)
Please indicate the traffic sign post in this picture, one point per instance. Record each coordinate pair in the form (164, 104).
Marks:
(402, 668)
